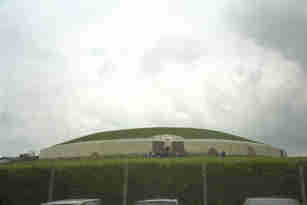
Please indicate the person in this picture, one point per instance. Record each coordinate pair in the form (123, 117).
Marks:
(166, 151)
(223, 154)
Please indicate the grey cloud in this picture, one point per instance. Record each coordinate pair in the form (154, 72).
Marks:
(107, 68)
(280, 26)
(276, 24)
(173, 49)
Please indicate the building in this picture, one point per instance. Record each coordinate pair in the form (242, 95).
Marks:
(159, 145)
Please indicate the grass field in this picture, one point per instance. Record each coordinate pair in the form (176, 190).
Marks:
(191, 133)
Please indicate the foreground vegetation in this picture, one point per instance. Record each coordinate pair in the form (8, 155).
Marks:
(230, 180)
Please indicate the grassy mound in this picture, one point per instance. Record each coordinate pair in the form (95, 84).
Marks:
(190, 133)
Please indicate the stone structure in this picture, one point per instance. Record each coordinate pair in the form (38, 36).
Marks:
(159, 144)
(169, 144)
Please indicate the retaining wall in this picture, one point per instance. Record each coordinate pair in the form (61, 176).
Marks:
(143, 146)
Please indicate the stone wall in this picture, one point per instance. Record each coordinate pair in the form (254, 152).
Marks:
(142, 146)
(101, 148)
(230, 147)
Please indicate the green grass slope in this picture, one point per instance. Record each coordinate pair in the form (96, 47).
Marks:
(190, 133)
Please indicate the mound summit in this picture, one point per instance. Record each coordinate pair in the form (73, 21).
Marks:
(187, 133)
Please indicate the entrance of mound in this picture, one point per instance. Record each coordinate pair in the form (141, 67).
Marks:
(168, 144)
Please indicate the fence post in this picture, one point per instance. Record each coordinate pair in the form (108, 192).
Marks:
(302, 181)
(51, 183)
(125, 186)
(205, 188)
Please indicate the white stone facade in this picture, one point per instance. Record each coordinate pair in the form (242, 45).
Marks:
(143, 146)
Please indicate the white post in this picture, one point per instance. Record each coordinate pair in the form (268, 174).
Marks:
(125, 186)
(205, 188)
(51, 183)
(302, 181)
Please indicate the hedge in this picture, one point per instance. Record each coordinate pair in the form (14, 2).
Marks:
(230, 180)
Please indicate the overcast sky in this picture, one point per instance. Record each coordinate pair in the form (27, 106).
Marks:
(68, 68)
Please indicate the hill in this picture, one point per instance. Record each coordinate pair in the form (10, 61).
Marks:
(189, 133)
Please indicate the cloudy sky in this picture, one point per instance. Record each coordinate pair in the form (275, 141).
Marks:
(68, 68)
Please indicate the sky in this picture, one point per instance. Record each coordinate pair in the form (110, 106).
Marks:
(70, 68)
